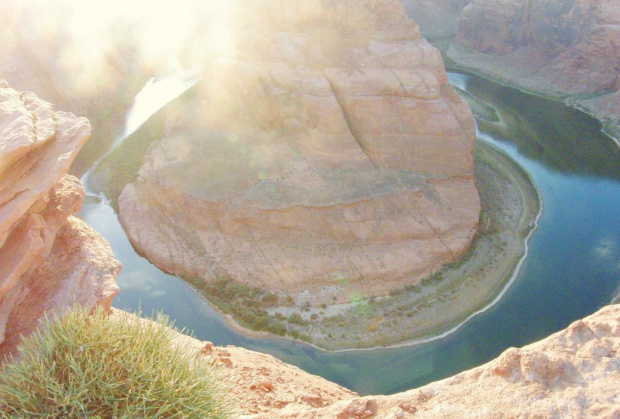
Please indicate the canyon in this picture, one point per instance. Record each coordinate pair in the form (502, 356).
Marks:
(53, 259)
(49, 258)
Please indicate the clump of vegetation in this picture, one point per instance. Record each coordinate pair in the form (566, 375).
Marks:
(248, 305)
(84, 365)
(296, 318)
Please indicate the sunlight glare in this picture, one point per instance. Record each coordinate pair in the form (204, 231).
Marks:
(160, 30)
(155, 94)
(98, 43)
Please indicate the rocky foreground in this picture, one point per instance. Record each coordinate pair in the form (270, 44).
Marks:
(324, 156)
(571, 374)
(49, 258)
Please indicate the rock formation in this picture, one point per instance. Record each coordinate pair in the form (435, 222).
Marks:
(49, 258)
(324, 154)
(571, 374)
(76, 59)
(568, 49)
(262, 384)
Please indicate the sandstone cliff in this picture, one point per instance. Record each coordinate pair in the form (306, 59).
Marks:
(324, 154)
(49, 258)
(567, 49)
(571, 374)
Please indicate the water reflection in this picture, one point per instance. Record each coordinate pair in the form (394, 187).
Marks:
(563, 138)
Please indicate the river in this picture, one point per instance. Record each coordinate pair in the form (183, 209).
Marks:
(573, 266)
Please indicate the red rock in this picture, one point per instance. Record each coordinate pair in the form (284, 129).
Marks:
(313, 400)
(552, 46)
(330, 152)
(49, 258)
(265, 386)
(207, 348)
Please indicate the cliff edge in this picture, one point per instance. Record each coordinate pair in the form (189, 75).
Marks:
(49, 258)
(571, 374)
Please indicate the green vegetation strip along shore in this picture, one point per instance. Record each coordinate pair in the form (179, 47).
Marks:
(510, 209)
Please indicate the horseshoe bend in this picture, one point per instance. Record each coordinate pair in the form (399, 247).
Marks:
(321, 173)
(320, 182)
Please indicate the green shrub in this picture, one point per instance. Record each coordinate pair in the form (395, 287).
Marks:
(277, 328)
(296, 318)
(95, 366)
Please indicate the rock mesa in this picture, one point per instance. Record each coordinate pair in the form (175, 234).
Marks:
(323, 153)
(49, 258)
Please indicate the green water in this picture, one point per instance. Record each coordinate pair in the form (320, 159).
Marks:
(573, 266)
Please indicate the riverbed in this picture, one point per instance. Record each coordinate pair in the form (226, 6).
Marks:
(573, 266)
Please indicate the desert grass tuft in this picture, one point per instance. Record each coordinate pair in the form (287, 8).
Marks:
(82, 365)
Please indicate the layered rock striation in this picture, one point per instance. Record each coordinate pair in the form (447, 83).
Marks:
(49, 258)
(568, 49)
(323, 155)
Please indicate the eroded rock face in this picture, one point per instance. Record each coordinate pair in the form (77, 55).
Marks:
(49, 258)
(558, 47)
(571, 374)
(323, 154)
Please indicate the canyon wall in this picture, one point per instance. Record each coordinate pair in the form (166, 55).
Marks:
(49, 258)
(78, 58)
(323, 155)
(83, 58)
(566, 49)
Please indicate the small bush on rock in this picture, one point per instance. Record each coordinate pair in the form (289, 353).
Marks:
(84, 365)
